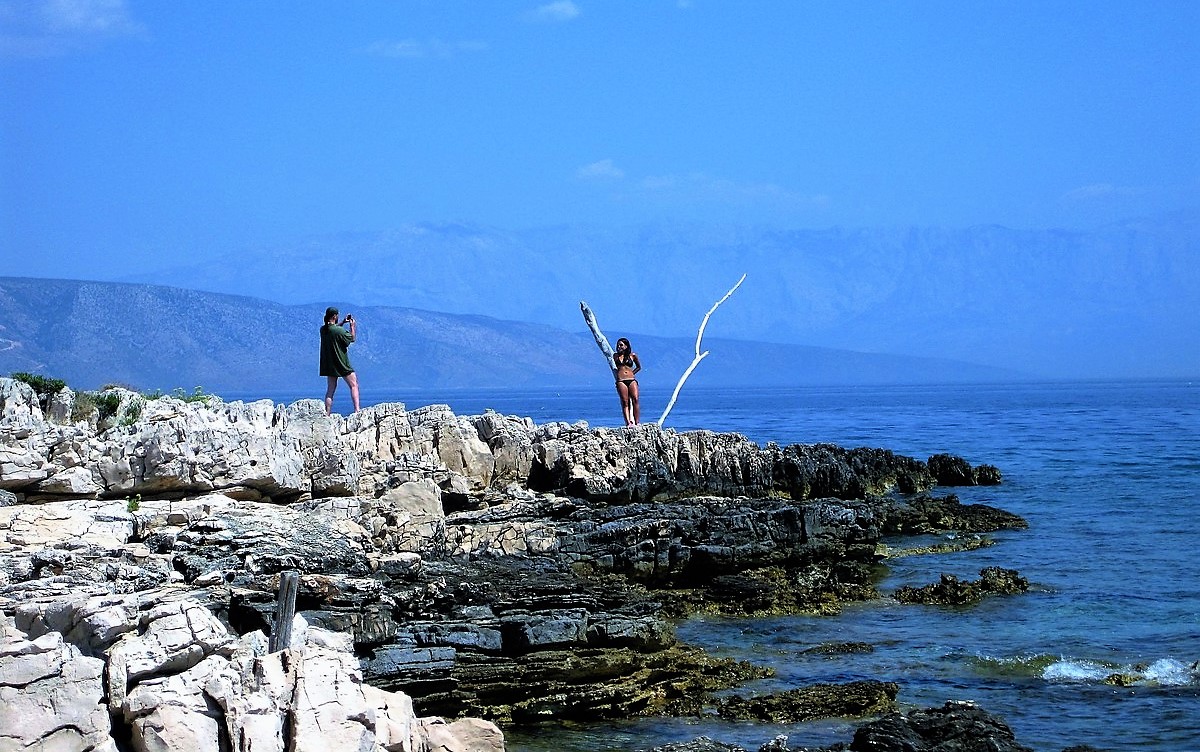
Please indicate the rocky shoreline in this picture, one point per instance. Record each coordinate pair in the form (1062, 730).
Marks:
(479, 568)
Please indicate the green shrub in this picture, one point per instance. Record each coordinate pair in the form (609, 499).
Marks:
(198, 395)
(85, 403)
(117, 385)
(107, 404)
(133, 502)
(43, 386)
(133, 412)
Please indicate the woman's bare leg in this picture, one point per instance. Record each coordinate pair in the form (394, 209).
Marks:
(330, 388)
(626, 412)
(636, 401)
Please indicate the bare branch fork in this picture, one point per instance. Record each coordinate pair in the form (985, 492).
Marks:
(602, 343)
(699, 355)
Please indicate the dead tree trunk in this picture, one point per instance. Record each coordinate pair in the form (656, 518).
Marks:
(601, 340)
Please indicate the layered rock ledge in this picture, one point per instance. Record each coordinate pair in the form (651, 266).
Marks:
(477, 566)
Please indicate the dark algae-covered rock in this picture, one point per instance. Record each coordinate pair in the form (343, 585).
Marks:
(849, 700)
(925, 513)
(954, 727)
(951, 591)
(839, 648)
(949, 470)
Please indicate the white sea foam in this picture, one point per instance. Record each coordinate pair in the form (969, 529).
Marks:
(1169, 672)
(1164, 672)
(1068, 671)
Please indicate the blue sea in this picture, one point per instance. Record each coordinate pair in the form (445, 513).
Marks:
(1106, 473)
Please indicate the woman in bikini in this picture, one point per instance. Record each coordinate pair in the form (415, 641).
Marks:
(628, 365)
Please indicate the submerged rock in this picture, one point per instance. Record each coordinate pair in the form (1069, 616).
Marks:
(849, 700)
(954, 727)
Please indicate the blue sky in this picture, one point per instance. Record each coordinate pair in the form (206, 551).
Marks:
(138, 132)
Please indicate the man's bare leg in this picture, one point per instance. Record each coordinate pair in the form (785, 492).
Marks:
(352, 382)
(330, 388)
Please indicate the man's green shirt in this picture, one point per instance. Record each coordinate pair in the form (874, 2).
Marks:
(335, 360)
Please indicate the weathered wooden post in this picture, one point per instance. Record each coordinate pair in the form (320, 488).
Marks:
(285, 610)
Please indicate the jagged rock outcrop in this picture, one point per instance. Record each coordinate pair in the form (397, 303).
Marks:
(954, 727)
(924, 513)
(51, 695)
(948, 470)
(951, 591)
(483, 565)
(171, 677)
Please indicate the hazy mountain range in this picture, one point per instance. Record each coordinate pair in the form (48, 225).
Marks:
(156, 337)
(1114, 302)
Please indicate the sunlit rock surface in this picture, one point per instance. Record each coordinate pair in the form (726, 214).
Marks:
(479, 566)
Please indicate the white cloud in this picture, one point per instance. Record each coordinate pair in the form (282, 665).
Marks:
(89, 16)
(561, 10)
(432, 48)
(45, 28)
(604, 169)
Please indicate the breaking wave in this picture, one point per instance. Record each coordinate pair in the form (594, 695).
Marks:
(1163, 672)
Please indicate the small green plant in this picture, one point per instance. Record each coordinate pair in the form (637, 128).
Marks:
(107, 404)
(198, 395)
(43, 386)
(133, 502)
(133, 412)
(153, 395)
(118, 385)
(85, 403)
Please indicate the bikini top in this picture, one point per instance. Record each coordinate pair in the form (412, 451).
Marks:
(626, 361)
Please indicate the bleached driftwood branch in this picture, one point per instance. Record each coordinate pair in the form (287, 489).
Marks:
(699, 355)
(601, 340)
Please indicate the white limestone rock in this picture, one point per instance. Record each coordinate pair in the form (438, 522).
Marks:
(463, 735)
(95, 522)
(511, 442)
(94, 623)
(72, 481)
(51, 697)
(176, 712)
(177, 636)
(60, 407)
(411, 515)
(18, 403)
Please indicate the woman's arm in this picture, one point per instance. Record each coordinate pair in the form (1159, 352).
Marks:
(637, 364)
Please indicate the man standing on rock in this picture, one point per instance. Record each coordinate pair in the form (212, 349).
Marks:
(335, 360)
